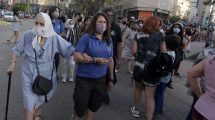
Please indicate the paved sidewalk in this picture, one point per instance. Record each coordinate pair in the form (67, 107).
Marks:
(176, 104)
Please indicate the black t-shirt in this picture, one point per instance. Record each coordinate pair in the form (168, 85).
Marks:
(148, 46)
(116, 37)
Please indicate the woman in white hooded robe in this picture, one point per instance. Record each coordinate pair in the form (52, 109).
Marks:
(47, 43)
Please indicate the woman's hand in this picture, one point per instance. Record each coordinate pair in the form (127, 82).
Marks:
(11, 68)
(102, 61)
(110, 86)
(87, 58)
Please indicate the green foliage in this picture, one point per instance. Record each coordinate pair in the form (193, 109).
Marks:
(209, 2)
(90, 7)
(174, 19)
(21, 7)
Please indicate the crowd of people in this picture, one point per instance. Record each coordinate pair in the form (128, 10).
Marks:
(92, 51)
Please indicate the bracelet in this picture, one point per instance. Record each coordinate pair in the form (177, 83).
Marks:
(111, 80)
(94, 60)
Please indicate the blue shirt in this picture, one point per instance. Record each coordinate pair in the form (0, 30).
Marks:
(58, 26)
(94, 48)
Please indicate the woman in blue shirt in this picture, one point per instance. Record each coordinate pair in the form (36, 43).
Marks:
(94, 55)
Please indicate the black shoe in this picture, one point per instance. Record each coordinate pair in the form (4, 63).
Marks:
(177, 74)
(161, 112)
(170, 86)
(107, 100)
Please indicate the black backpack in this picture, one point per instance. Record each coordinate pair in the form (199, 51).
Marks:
(160, 66)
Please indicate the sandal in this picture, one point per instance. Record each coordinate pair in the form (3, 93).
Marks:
(37, 117)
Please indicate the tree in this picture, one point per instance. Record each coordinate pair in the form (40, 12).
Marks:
(21, 7)
(90, 7)
(174, 19)
(209, 2)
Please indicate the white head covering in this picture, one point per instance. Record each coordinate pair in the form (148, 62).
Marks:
(48, 31)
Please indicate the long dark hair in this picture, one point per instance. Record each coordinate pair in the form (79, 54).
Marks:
(53, 9)
(92, 27)
(181, 33)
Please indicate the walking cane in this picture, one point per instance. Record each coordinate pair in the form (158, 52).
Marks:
(8, 94)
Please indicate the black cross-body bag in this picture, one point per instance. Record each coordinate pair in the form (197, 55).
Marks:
(42, 85)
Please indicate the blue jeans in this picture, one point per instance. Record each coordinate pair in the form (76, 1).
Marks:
(159, 97)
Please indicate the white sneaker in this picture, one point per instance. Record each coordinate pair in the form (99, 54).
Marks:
(71, 79)
(135, 112)
(64, 80)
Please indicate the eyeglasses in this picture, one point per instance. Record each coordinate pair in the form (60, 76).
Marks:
(38, 23)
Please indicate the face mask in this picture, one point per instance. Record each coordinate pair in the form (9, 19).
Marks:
(100, 28)
(176, 30)
(39, 31)
(71, 26)
(141, 25)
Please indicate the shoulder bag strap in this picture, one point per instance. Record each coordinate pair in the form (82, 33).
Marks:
(53, 60)
(35, 54)
(124, 29)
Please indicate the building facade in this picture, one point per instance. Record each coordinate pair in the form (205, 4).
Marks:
(141, 9)
(201, 14)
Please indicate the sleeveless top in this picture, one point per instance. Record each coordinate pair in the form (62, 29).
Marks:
(148, 46)
(206, 103)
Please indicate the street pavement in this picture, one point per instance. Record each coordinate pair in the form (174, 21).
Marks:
(176, 105)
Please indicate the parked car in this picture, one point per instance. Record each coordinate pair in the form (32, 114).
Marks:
(1, 13)
(21, 14)
(8, 16)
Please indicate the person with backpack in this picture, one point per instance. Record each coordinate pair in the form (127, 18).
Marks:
(146, 46)
(37, 48)
(177, 28)
(172, 43)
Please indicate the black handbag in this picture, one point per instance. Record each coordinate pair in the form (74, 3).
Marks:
(42, 85)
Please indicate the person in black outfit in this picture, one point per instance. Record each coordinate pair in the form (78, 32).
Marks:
(117, 44)
(177, 29)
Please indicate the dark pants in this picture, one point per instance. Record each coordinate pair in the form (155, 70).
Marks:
(88, 94)
(159, 97)
(114, 69)
(190, 114)
(198, 116)
(57, 60)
